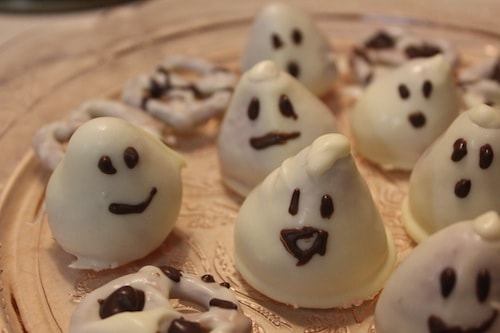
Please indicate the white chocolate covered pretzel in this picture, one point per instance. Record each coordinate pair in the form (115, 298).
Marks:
(481, 82)
(391, 47)
(182, 92)
(139, 303)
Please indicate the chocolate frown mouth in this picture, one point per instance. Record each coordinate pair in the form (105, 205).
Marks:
(123, 208)
(437, 325)
(291, 238)
(271, 139)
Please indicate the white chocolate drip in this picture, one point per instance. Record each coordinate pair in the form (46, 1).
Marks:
(264, 71)
(325, 151)
(485, 116)
(488, 226)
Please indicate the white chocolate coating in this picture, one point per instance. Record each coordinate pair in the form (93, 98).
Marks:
(290, 38)
(265, 88)
(108, 219)
(296, 246)
(158, 314)
(402, 112)
(449, 283)
(438, 194)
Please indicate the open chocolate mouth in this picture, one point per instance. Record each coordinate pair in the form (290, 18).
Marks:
(437, 325)
(314, 243)
(122, 208)
(271, 139)
(417, 119)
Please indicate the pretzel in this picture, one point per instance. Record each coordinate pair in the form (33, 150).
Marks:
(183, 92)
(139, 303)
(391, 47)
(481, 82)
(48, 141)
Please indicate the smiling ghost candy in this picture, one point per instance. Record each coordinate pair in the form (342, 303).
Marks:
(115, 196)
(271, 117)
(289, 37)
(450, 283)
(310, 234)
(403, 111)
(458, 177)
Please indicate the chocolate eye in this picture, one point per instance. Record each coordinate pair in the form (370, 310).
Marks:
(296, 36)
(485, 156)
(276, 40)
(131, 157)
(462, 188)
(404, 92)
(447, 280)
(106, 166)
(459, 150)
(326, 206)
(253, 109)
(427, 88)
(286, 107)
(483, 283)
(294, 202)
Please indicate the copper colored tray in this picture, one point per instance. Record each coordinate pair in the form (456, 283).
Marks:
(38, 292)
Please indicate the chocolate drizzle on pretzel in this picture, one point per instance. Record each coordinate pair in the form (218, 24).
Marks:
(182, 92)
(123, 299)
(142, 299)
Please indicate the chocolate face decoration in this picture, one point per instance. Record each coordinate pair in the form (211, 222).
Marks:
(320, 230)
(116, 194)
(458, 176)
(448, 284)
(403, 111)
(271, 117)
(140, 303)
(290, 38)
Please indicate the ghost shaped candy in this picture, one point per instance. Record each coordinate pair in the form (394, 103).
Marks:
(458, 177)
(310, 234)
(289, 37)
(450, 283)
(271, 117)
(403, 111)
(116, 194)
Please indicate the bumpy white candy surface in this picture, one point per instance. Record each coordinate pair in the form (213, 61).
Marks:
(271, 117)
(289, 37)
(139, 303)
(310, 234)
(449, 283)
(458, 177)
(116, 194)
(402, 112)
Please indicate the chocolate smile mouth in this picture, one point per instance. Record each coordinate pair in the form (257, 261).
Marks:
(123, 208)
(417, 119)
(271, 139)
(313, 242)
(437, 325)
